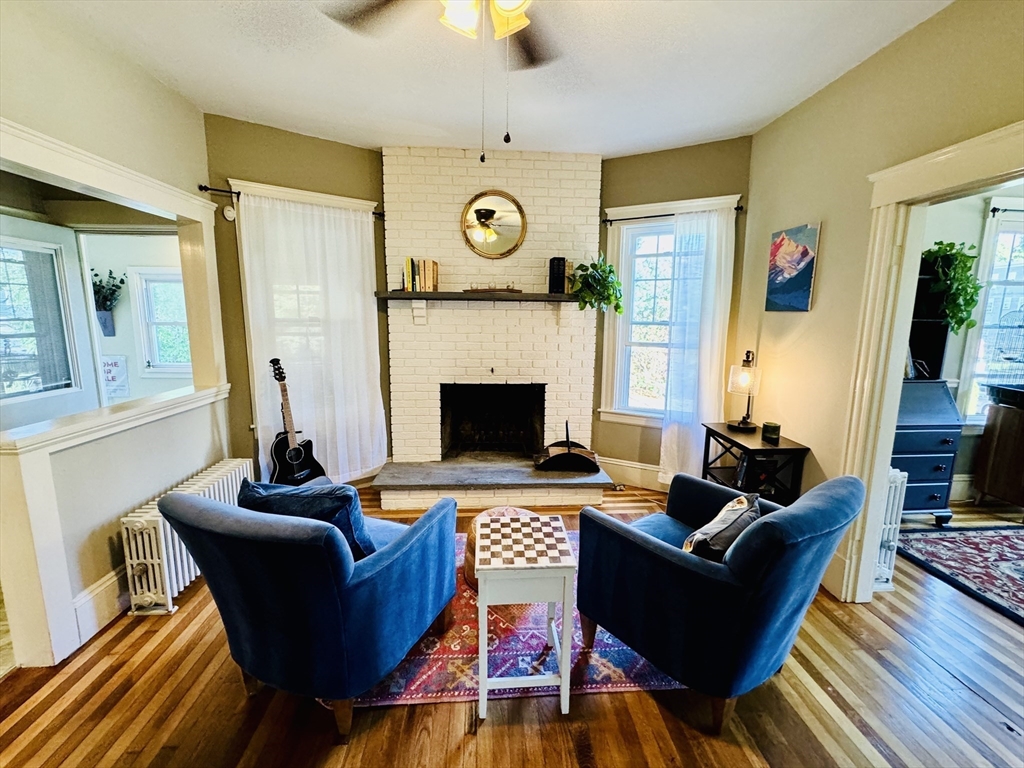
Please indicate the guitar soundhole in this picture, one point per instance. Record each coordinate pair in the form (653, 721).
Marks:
(294, 455)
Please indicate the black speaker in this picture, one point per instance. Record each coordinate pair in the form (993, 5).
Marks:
(556, 274)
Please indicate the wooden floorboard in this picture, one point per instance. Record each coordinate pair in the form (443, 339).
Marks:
(922, 676)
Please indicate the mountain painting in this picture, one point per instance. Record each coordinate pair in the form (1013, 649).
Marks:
(791, 269)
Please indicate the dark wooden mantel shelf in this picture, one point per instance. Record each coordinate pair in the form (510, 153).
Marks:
(480, 296)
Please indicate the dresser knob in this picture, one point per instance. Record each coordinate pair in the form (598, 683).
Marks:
(935, 497)
(940, 467)
(947, 441)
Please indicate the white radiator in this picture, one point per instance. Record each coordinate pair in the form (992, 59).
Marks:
(156, 562)
(890, 530)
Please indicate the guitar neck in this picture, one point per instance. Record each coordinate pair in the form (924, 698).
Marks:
(286, 412)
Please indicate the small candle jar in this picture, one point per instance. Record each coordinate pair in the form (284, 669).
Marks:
(771, 432)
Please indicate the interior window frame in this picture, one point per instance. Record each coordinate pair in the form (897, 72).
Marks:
(56, 251)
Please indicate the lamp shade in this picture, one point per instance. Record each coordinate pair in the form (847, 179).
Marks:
(508, 17)
(744, 380)
(462, 16)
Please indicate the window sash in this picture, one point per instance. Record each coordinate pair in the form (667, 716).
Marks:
(53, 356)
(147, 316)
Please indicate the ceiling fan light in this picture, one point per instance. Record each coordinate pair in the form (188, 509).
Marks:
(504, 24)
(510, 8)
(462, 16)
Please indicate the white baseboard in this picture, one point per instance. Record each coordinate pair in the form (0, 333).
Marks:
(633, 473)
(101, 602)
(963, 488)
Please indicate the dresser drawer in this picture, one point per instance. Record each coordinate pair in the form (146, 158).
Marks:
(931, 468)
(926, 441)
(926, 496)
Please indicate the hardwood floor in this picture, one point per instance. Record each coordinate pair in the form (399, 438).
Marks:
(923, 676)
(966, 515)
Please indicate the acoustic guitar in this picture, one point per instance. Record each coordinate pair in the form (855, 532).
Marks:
(293, 461)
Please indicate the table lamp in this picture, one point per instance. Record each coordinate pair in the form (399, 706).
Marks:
(744, 379)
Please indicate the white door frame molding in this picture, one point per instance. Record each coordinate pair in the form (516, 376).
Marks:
(33, 561)
(899, 201)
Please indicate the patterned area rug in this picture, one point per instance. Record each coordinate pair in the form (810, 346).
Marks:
(987, 564)
(445, 668)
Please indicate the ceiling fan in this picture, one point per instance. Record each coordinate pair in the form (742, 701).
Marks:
(529, 49)
(488, 222)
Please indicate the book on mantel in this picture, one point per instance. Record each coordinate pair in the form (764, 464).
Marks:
(420, 275)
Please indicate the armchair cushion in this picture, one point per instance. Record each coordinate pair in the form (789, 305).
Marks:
(335, 504)
(663, 528)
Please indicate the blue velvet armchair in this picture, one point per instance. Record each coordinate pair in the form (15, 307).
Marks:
(719, 628)
(301, 614)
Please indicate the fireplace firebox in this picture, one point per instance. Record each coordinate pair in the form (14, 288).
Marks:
(506, 418)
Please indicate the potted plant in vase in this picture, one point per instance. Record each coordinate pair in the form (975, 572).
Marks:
(106, 292)
(596, 285)
(954, 281)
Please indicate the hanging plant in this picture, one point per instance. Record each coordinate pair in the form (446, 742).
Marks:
(955, 280)
(595, 285)
(107, 290)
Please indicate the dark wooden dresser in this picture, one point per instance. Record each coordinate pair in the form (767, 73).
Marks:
(927, 438)
(1000, 465)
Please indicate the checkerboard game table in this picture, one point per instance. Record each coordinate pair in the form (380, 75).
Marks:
(526, 560)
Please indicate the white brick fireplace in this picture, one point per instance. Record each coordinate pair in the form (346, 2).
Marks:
(484, 342)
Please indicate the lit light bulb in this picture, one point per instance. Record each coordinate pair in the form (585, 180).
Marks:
(461, 16)
(744, 379)
(512, 7)
(478, 235)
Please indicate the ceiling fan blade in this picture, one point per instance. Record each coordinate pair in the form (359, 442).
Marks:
(359, 16)
(530, 48)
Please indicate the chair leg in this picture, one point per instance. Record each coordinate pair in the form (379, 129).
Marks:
(443, 621)
(343, 718)
(252, 685)
(589, 627)
(721, 711)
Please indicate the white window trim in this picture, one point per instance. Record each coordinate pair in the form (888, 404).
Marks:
(984, 267)
(65, 310)
(613, 323)
(137, 277)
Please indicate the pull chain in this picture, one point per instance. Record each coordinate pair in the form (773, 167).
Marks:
(483, 85)
(507, 138)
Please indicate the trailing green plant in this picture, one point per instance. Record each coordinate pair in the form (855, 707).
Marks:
(107, 290)
(955, 280)
(595, 285)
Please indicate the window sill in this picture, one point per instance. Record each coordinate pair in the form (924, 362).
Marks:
(157, 373)
(973, 428)
(631, 418)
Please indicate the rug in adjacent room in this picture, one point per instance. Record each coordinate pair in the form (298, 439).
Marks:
(445, 668)
(987, 564)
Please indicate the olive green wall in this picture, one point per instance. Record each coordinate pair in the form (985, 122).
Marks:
(251, 152)
(687, 173)
(955, 76)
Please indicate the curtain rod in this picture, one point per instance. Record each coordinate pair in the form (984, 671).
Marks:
(205, 188)
(379, 215)
(738, 209)
(994, 211)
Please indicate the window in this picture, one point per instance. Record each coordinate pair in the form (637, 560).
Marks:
(647, 260)
(997, 342)
(34, 350)
(161, 310)
(646, 254)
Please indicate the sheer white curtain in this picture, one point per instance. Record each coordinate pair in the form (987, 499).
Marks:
(309, 282)
(701, 295)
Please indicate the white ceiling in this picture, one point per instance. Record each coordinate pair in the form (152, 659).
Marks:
(634, 75)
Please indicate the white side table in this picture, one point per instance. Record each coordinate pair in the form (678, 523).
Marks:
(526, 560)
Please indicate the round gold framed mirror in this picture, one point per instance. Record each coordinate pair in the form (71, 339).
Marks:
(493, 224)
